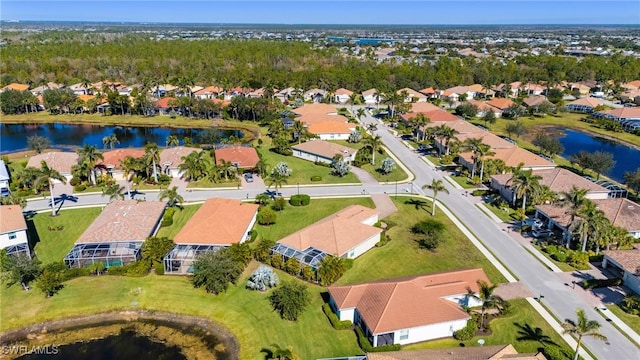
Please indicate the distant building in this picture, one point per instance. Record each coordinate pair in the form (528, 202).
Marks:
(13, 231)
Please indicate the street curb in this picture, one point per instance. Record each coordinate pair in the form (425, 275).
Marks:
(453, 183)
(619, 324)
(488, 212)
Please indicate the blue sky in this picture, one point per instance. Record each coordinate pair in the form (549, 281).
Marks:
(424, 12)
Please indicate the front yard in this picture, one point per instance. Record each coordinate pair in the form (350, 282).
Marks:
(633, 321)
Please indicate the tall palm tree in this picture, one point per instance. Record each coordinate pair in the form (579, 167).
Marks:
(172, 140)
(372, 127)
(299, 130)
(113, 140)
(524, 182)
(89, 155)
(276, 179)
(172, 196)
(227, 169)
(152, 156)
(582, 327)
(446, 134)
(418, 121)
(482, 152)
(435, 186)
(473, 145)
(488, 298)
(196, 165)
(48, 175)
(353, 98)
(129, 166)
(360, 113)
(590, 218)
(374, 142)
(574, 199)
(114, 192)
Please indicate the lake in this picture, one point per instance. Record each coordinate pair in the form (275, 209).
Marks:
(13, 137)
(626, 157)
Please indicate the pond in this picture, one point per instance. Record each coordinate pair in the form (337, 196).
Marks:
(13, 137)
(626, 157)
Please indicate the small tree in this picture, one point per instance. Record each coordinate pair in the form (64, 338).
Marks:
(215, 270)
(331, 269)
(489, 117)
(339, 167)
(266, 216)
(154, 249)
(38, 143)
(290, 300)
(292, 266)
(355, 137)
(632, 180)
(549, 145)
(263, 250)
(51, 279)
(19, 269)
(387, 166)
(262, 279)
(430, 232)
(516, 128)
(467, 110)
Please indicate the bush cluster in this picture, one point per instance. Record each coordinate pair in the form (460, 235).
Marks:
(631, 304)
(600, 283)
(467, 332)
(80, 187)
(577, 259)
(300, 200)
(316, 178)
(167, 218)
(333, 318)
(266, 216)
(555, 353)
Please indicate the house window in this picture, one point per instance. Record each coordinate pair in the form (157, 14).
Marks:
(351, 254)
(12, 236)
(403, 335)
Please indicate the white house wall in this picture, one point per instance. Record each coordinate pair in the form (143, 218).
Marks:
(21, 238)
(430, 332)
(310, 157)
(334, 136)
(251, 223)
(371, 220)
(632, 282)
(347, 314)
(363, 247)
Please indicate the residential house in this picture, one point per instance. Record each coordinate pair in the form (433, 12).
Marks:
(171, 158)
(323, 151)
(288, 94)
(626, 264)
(314, 95)
(112, 161)
(332, 130)
(58, 160)
(163, 90)
(81, 89)
(412, 95)
(484, 108)
(5, 179)
(372, 97)
(501, 104)
(533, 89)
(457, 93)
(236, 91)
(13, 231)
(39, 90)
(534, 102)
(621, 212)
(584, 105)
(511, 90)
(557, 179)
(581, 89)
(481, 91)
(411, 309)
(342, 96)
(116, 236)
(512, 156)
(317, 108)
(162, 106)
(15, 87)
(430, 93)
(242, 157)
(632, 96)
(619, 114)
(322, 120)
(209, 92)
(217, 224)
(258, 93)
(490, 352)
(348, 233)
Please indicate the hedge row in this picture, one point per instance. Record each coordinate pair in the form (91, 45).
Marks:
(333, 319)
(600, 283)
(366, 346)
(300, 200)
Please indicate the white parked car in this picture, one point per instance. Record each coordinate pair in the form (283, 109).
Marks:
(538, 233)
(533, 222)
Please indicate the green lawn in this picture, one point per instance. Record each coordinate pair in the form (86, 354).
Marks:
(505, 331)
(246, 313)
(464, 181)
(208, 184)
(294, 218)
(51, 246)
(506, 216)
(562, 265)
(302, 170)
(632, 320)
(402, 256)
(180, 218)
(396, 175)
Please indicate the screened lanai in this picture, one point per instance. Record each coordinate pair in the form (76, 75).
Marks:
(309, 256)
(181, 258)
(110, 254)
(18, 249)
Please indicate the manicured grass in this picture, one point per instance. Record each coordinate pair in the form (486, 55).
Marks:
(397, 174)
(208, 184)
(402, 256)
(302, 170)
(464, 181)
(180, 218)
(506, 216)
(247, 314)
(294, 218)
(562, 265)
(505, 331)
(632, 320)
(51, 245)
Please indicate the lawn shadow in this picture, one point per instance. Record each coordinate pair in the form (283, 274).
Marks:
(32, 233)
(418, 204)
(528, 333)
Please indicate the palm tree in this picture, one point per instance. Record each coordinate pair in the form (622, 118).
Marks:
(374, 142)
(14, 199)
(360, 113)
(152, 156)
(129, 167)
(372, 127)
(172, 140)
(299, 130)
(89, 155)
(583, 327)
(172, 196)
(353, 98)
(446, 133)
(524, 182)
(473, 145)
(105, 142)
(195, 165)
(261, 167)
(114, 192)
(112, 141)
(49, 175)
(590, 218)
(574, 199)
(418, 121)
(483, 151)
(435, 186)
(276, 179)
(488, 298)
(227, 169)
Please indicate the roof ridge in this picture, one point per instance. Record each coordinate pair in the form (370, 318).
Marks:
(557, 171)
(386, 306)
(618, 211)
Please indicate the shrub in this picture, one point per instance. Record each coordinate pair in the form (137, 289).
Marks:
(215, 270)
(316, 178)
(279, 204)
(331, 269)
(555, 353)
(578, 260)
(263, 250)
(290, 300)
(266, 216)
(631, 304)
(467, 332)
(308, 274)
(75, 181)
(164, 179)
(446, 159)
(367, 347)
(167, 218)
(300, 200)
(333, 318)
(559, 256)
(430, 243)
(431, 231)
(277, 262)
(384, 239)
(159, 268)
(262, 279)
(600, 283)
(292, 266)
(80, 187)
(253, 236)
(480, 192)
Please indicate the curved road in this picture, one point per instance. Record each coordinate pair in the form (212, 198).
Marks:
(557, 297)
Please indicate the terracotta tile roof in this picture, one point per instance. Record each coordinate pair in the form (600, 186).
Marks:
(558, 179)
(330, 127)
(343, 91)
(209, 90)
(632, 84)
(434, 116)
(244, 156)
(173, 156)
(58, 160)
(423, 107)
(164, 102)
(370, 92)
(113, 158)
(494, 141)
(336, 234)
(620, 212)
(483, 106)
(218, 222)
(396, 304)
(516, 155)
(412, 93)
(309, 119)
(16, 87)
(623, 113)
(124, 220)
(588, 101)
(535, 100)
(11, 219)
(500, 103)
(315, 109)
(428, 91)
(324, 148)
(85, 97)
(534, 87)
(629, 259)
(222, 103)
(491, 352)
